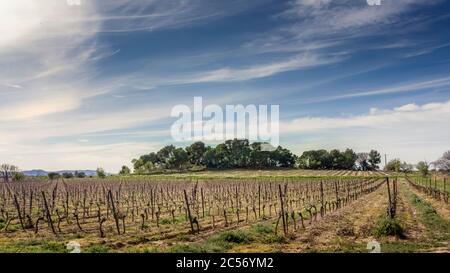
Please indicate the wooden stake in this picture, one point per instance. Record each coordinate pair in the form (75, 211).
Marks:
(49, 217)
(188, 211)
(282, 209)
(116, 219)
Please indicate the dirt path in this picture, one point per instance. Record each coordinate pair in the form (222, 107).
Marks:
(340, 230)
(441, 207)
(415, 230)
(429, 216)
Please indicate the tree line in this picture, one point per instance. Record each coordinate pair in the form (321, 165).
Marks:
(235, 154)
(240, 153)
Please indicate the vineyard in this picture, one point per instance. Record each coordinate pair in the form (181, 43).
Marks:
(179, 213)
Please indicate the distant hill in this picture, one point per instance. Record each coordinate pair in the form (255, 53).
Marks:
(44, 173)
(35, 173)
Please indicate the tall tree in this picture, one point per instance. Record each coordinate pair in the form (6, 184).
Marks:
(165, 154)
(337, 159)
(101, 172)
(374, 160)
(315, 160)
(424, 168)
(394, 165)
(239, 151)
(196, 152)
(349, 159)
(284, 158)
(178, 158)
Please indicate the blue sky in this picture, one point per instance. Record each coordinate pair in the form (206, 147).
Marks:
(93, 85)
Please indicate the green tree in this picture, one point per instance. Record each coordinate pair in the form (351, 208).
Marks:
(101, 172)
(394, 165)
(178, 158)
(424, 168)
(210, 158)
(164, 155)
(196, 152)
(18, 176)
(146, 163)
(337, 159)
(374, 160)
(348, 159)
(283, 157)
(238, 151)
(67, 175)
(223, 156)
(125, 170)
(315, 160)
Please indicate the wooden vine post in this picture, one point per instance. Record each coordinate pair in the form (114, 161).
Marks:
(49, 217)
(188, 211)
(113, 206)
(203, 202)
(337, 193)
(390, 199)
(282, 210)
(321, 198)
(259, 200)
(18, 211)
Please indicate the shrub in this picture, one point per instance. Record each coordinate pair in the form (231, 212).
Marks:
(389, 227)
(272, 238)
(237, 237)
(261, 228)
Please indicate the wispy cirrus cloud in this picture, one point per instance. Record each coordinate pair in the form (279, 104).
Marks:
(401, 88)
(152, 15)
(263, 70)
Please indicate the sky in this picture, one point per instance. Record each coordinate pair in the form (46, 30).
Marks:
(91, 83)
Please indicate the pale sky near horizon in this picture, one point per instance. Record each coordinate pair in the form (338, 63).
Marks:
(91, 85)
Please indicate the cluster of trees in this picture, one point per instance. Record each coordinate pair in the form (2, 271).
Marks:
(10, 172)
(67, 175)
(396, 165)
(339, 160)
(239, 153)
(423, 167)
(325, 160)
(236, 153)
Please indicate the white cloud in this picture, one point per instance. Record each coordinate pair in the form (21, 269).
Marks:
(39, 107)
(408, 115)
(412, 132)
(45, 50)
(62, 156)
